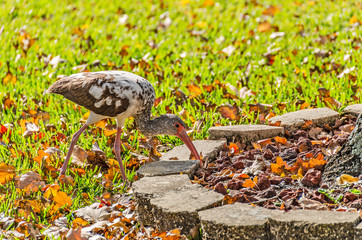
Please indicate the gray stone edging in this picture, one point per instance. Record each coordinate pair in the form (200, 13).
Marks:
(167, 199)
(294, 120)
(245, 133)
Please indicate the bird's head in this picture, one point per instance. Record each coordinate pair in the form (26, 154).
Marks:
(173, 125)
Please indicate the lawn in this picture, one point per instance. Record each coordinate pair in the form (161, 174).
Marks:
(213, 63)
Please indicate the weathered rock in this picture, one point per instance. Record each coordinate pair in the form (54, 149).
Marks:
(358, 235)
(208, 148)
(312, 178)
(148, 187)
(294, 120)
(235, 221)
(313, 224)
(163, 168)
(178, 209)
(354, 109)
(348, 160)
(245, 133)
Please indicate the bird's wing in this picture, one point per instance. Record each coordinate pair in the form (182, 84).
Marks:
(107, 93)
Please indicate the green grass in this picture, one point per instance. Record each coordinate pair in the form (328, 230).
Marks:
(84, 31)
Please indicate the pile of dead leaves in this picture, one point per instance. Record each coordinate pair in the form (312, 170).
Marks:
(285, 172)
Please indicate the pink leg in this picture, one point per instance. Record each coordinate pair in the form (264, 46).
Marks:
(117, 150)
(71, 147)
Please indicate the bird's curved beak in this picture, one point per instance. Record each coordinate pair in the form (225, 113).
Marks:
(181, 133)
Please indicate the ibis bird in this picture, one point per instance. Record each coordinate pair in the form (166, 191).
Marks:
(119, 95)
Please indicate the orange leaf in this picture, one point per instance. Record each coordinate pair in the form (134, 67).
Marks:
(9, 78)
(264, 27)
(79, 222)
(256, 145)
(62, 199)
(353, 20)
(110, 132)
(281, 140)
(249, 183)
(208, 3)
(345, 178)
(276, 124)
(7, 173)
(51, 190)
(234, 148)
(194, 90)
(84, 117)
(229, 200)
(271, 11)
(307, 124)
(229, 112)
(262, 143)
(41, 155)
(244, 175)
(313, 162)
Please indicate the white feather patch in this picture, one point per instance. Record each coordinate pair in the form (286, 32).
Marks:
(96, 91)
(99, 103)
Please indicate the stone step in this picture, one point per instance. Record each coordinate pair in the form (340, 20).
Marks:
(148, 188)
(354, 109)
(294, 120)
(163, 168)
(313, 224)
(235, 221)
(245, 133)
(179, 209)
(208, 148)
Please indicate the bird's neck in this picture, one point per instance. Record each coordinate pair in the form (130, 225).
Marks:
(145, 125)
(148, 127)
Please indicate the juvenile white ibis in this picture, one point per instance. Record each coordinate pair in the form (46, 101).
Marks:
(119, 95)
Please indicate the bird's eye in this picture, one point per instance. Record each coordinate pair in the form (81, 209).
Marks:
(177, 125)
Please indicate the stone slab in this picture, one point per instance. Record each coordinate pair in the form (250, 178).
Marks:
(163, 168)
(179, 209)
(149, 187)
(245, 133)
(313, 224)
(354, 109)
(208, 148)
(236, 221)
(294, 120)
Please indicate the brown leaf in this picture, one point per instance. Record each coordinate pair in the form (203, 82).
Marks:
(93, 213)
(229, 112)
(79, 156)
(264, 27)
(75, 234)
(271, 11)
(29, 182)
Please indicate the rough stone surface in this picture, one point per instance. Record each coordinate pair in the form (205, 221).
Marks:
(178, 209)
(294, 120)
(354, 109)
(163, 168)
(208, 148)
(348, 160)
(148, 187)
(235, 221)
(313, 224)
(245, 133)
(358, 235)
